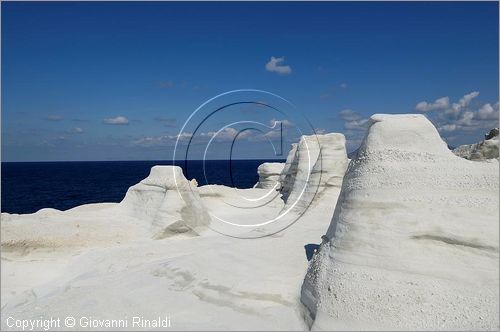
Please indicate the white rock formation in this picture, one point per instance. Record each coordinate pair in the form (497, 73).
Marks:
(118, 269)
(71, 230)
(318, 161)
(486, 149)
(413, 243)
(269, 175)
(289, 171)
(167, 201)
(154, 208)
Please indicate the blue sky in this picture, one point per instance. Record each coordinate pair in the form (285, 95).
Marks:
(116, 80)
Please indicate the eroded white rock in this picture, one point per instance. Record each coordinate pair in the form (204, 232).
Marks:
(413, 243)
(168, 201)
(316, 162)
(269, 175)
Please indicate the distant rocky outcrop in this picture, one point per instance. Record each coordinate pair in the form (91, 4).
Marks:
(486, 149)
(316, 162)
(269, 175)
(168, 201)
(413, 242)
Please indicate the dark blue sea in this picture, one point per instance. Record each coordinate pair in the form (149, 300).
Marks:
(30, 186)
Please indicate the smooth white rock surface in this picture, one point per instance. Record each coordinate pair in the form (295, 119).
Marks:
(413, 243)
(318, 161)
(269, 175)
(168, 201)
(110, 261)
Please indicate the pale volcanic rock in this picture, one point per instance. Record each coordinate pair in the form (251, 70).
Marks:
(486, 149)
(168, 201)
(269, 175)
(413, 242)
(316, 162)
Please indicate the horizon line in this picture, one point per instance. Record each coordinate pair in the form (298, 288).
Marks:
(162, 160)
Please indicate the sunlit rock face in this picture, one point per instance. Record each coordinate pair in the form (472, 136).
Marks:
(289, 172)
(486, 149)
(168, 201)
(269, 175)
(121, 259)
(413, 242)
(315, 163)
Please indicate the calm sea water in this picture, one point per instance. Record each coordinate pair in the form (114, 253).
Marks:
(28, 187)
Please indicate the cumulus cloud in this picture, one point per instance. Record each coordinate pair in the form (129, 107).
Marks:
(448, 127)
(488, 112)
(465, 100)
(275, 65)
(462, 117)
(462, 104)
(54, 117)
(119, 120)
(438, 104)
(355, 126)
(353, 120)
(224, 135)
(162, 140)
(149, 141)
(227, 134)
(349, 115)
(360, 124)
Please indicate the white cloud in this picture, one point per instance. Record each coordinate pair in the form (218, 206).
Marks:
(462, 120)
(272, 134)
(463, 103)
(349, 115)
(465, 119)
(162, 140)
(228, 134)
(360, 124)
(438, 104)
(182, 136)
(465, 100)
(285, 123)
(151, 141)
(275, 65)
(488, 112)
(225, 135)
(119, 120)
(76, 130)
(353, 120)
(355, 126)
(448, 127)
